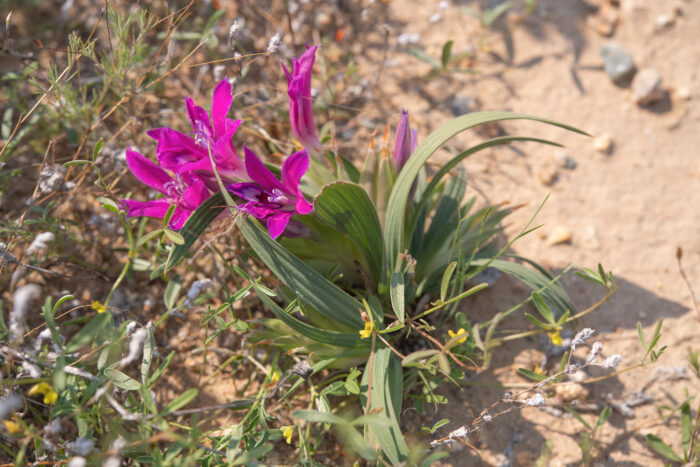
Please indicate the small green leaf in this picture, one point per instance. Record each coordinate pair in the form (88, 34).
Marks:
(88, 333)
(446, 277)
(640, 331)
(168, 215)
(532, 375)
(663, 448)
(172, 292)
(121, 380)
(319, 417)
(398, 296)
(419, 354)
(446, 53)
(98, 148)
(542, 307)
(253, 454)
(181, 401)
(604, 415)
(76, 163)
(686, 426)
(174, 237)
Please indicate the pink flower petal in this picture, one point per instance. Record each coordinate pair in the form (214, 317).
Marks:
(293, 168)
(155, 208)
(194, 195)
(277, 223)
(259, 173)
(302, 206)
(147, 171)
(220, 105)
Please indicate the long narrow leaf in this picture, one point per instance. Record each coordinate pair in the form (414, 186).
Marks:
(311, 287)
(394, 234)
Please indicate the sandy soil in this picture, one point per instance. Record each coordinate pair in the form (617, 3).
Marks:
(628, 209)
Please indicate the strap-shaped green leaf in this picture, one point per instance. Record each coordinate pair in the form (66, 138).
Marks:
(312, 332)
(536, 278)
(195, 226)
(311, 287)
(394, 233)
(387, 394)
(346, 207)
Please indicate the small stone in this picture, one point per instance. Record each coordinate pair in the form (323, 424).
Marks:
(619, 64)
(664, 20)
(546, 174)
(559, 235)
(564, 160)
(684, 93)
(570, 391)
(408, 38)
(461, 105)
(647, 87)
(603, 143)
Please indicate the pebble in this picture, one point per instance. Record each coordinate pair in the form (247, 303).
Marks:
(408, 38)
(570, 391)
(461, 105)
(603, 143)
(564, 160)
(559, 235)
(647, 87)
(619, 64)
(664, 21)
(546, 174)
(684, 93)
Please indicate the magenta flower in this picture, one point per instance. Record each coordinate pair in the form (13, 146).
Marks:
(186, 191)
(405, 141)
(181, 153)
(269, 198)
(301, 112)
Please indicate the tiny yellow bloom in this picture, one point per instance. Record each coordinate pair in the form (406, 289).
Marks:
(555, 338)
(459, 332)
(98, 307)
(367, 331)
(274, 376)
(287, 432)
(539, 370)
(12, 427)
(50, 396)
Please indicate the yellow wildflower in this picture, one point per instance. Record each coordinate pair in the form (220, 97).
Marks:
(555, 338)
(274, 376)
(12, 427)
(98, 307)
(287, 432)
(367, 331)
(50, 396)
(460, 332)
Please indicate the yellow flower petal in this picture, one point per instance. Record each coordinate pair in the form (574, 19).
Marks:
(459, 332)
(287, 432)
(274, 376)
(98, 307)
(11, 427)
(555, 338)
(367, 331)
(50, 396)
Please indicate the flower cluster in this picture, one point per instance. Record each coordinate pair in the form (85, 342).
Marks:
(187, 164)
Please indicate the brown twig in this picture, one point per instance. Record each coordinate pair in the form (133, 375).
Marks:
(679, 256)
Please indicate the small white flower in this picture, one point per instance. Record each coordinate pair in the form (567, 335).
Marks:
(612, 361)
(275, 41)
(581, 337)
(81, 447)
(535, 401)
(40, 242)
(77, 462)
(54, 427)
(595, 350)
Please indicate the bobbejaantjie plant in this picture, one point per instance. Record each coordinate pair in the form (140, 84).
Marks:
(352, 267)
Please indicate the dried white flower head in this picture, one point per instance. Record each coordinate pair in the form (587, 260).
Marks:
(535, 401)
(595, 350)
(233, 33)
(135, 347)
(9, 405)
(582, 336)
(196, 288)
(21, 302)
(77, 461)
(54, 427)
(302, 369)
(51, 178)
(81, 446)
(218, 72)
(486, 416)
(40, 242)
(612, 361)
(274, 45)
(131, 327)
